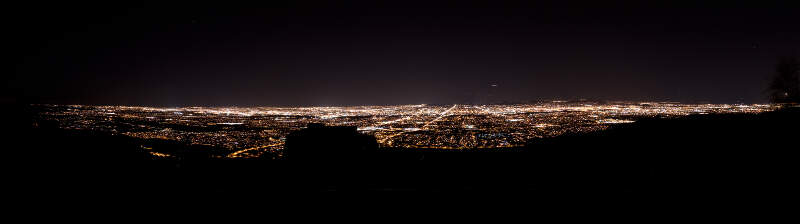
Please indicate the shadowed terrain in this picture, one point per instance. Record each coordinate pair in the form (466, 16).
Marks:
(732, 157)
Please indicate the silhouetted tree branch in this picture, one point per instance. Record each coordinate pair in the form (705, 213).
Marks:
(785, 85)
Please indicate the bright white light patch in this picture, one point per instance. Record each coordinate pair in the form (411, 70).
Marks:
(614, 121)
(371, 128)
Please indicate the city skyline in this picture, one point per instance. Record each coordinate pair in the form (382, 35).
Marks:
(658, 105)
(259, 132)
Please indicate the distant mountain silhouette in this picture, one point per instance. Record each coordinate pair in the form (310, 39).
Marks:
(320, 143)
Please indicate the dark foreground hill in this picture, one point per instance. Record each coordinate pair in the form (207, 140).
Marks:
(736, 157)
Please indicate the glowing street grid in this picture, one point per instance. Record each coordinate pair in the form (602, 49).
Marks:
(250, 132)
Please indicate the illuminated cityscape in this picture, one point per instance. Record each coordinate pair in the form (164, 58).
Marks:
(252, 132)
(640, 107)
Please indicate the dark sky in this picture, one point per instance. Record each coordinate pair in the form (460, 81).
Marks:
(308, 53)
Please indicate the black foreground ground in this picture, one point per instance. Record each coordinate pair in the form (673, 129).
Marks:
(723, 159)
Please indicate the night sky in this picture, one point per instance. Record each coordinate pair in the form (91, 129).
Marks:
(308, 53)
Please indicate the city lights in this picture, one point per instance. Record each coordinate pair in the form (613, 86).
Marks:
(248, 132)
